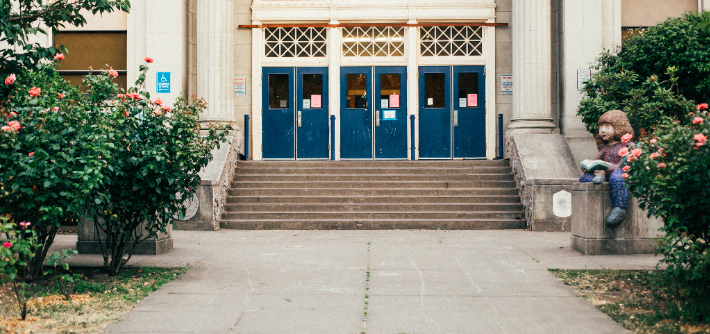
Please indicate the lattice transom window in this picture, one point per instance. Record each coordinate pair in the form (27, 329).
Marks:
(295, 42)
(451, 41)
(373, 42)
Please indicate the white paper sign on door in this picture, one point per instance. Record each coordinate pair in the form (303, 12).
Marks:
(389, 115)
(462, 102)
(306, 103)
(430, 101)
(384, 103)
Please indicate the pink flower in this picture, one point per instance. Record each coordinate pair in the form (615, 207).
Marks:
(654, 155)
(625, 175)
(626, 168)
(626, 138)
(166, 108)
(58, 56)
(636, 152)
(661, 165)
(112, 73)
(25, 225)
(61, 96)
(700, 139)
(702, 106)
(125, 114)
(698, 120)
(158, 101)
(55, 109)
(6, 128)
(148, 60)
(7, 245)
(120, 96)
(157, 112)
(34, 91)
(653, 141)
(10, 79)
(31, 154)
(13, 114)
(623, 151)
(14, 125)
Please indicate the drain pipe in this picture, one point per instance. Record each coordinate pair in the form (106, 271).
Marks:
(246, 137)
(332, 137)
(411, 120)
(500, 136)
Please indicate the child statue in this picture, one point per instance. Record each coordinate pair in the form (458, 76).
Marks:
(612, 126)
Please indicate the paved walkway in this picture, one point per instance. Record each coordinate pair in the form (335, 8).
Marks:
(419, 282)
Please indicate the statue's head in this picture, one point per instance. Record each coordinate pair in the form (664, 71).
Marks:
(613, 124)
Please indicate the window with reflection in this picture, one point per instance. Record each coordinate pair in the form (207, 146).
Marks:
(468, 90)
(434, 85)
(390, 90)
(278, 91)
(312, 87)
(356, 90)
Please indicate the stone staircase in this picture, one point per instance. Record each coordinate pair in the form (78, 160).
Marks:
(465, 195)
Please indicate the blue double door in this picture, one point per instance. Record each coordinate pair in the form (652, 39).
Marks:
(295, 113)
(373, 112)
(452, 112)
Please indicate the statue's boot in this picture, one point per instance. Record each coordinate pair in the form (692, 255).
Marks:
(599, 179)
(616, 216)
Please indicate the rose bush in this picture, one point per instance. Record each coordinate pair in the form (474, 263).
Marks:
(671, 178)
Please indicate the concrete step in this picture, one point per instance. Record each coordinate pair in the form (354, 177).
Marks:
(265, 170)
(377, 163)
(375, 224)
(371, 177)
(375, 185)
(386, 207)
(372, 199)
(245, 215)
(372, 192)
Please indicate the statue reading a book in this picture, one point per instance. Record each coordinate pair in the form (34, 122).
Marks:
(613, 125)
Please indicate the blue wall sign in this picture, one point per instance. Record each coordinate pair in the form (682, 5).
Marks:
(163, 82)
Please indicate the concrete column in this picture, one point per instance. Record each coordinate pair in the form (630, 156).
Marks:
(412, 48)
(334, 52)
(136, 40)
(489, 49)
(532, 66)
(257, 52)
(214, 59)
(703, 5)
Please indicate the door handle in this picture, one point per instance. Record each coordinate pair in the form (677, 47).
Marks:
(456, 118)
(377, 118)
(299, 118)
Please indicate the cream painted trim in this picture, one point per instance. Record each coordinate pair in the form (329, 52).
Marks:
(412, 90)
(256, 72)
(334, 87)
(489, 51)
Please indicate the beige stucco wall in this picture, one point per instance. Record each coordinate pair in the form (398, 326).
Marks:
(504, 61)
(643, 13)
(116, 20)
(242, 61)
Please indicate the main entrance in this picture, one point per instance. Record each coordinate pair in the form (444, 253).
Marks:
(295, 113)
(452, 121)
(373, 122)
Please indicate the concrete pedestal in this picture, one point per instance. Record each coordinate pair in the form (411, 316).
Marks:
(591, 205)
(88, 240)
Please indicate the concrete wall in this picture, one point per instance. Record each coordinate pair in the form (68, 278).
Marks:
(243, 61)
(117, 20)
(504, 61)
(644, 13)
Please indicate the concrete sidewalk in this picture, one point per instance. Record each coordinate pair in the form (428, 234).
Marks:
(419, 282)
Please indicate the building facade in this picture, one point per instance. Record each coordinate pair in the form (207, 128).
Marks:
(371, 79)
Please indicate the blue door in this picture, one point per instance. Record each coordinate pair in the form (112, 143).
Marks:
(278, 116)
(390, 112)
(355, 113)
(312, 126)
(435, 112)
(469, 112)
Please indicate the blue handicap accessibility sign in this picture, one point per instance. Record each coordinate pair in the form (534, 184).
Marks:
(163, 82)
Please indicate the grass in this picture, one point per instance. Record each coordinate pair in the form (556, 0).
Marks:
(98, 300)
(635, 299)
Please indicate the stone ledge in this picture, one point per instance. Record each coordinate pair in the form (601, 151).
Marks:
(612, 246)
(196, 225)
(148, 247)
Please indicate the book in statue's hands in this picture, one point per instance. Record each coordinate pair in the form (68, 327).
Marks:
(595, 165)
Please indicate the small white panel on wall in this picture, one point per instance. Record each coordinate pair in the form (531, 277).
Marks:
(562, 204)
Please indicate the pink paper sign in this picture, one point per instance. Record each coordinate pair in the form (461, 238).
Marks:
(472, 100)
(394, 101)
(315, 101)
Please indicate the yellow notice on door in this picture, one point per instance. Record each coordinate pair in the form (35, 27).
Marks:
(472, 100)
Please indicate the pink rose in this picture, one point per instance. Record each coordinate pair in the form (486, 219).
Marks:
(6, 128)
(636, 152)
(25, 225)
(626, 138)
(7, 245)
(653, 141)
(61, 96)
(626, 168)
(58, 56)
(623, 151)
(13, 114)
(148, 60)
(700, 139)
(31, 154)
(34, 91)
(654, 155)
(112, 73)
(702, 106)
(158, 101)
(120, 96)
(14, 125)
(166, 108)
(661, 165)
(625, 175)
(698, 120)
(55, 109)
(10, 79)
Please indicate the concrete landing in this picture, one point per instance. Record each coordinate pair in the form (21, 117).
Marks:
(419, 282)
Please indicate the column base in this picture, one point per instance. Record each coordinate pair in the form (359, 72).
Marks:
(148, 247)
(532, 127)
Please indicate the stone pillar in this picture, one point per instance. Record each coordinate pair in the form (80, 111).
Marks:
(532, 66)
(703, 5)
(412, 87)
(334, 83)
(215, 58)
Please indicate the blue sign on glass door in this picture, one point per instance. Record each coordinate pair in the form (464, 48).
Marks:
(163, 82)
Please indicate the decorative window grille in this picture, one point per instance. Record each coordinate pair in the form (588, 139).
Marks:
(373, 42)
(295, 42)
(451, 41)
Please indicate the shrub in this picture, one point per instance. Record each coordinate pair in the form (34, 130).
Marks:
(671, 178)
(15, 254)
